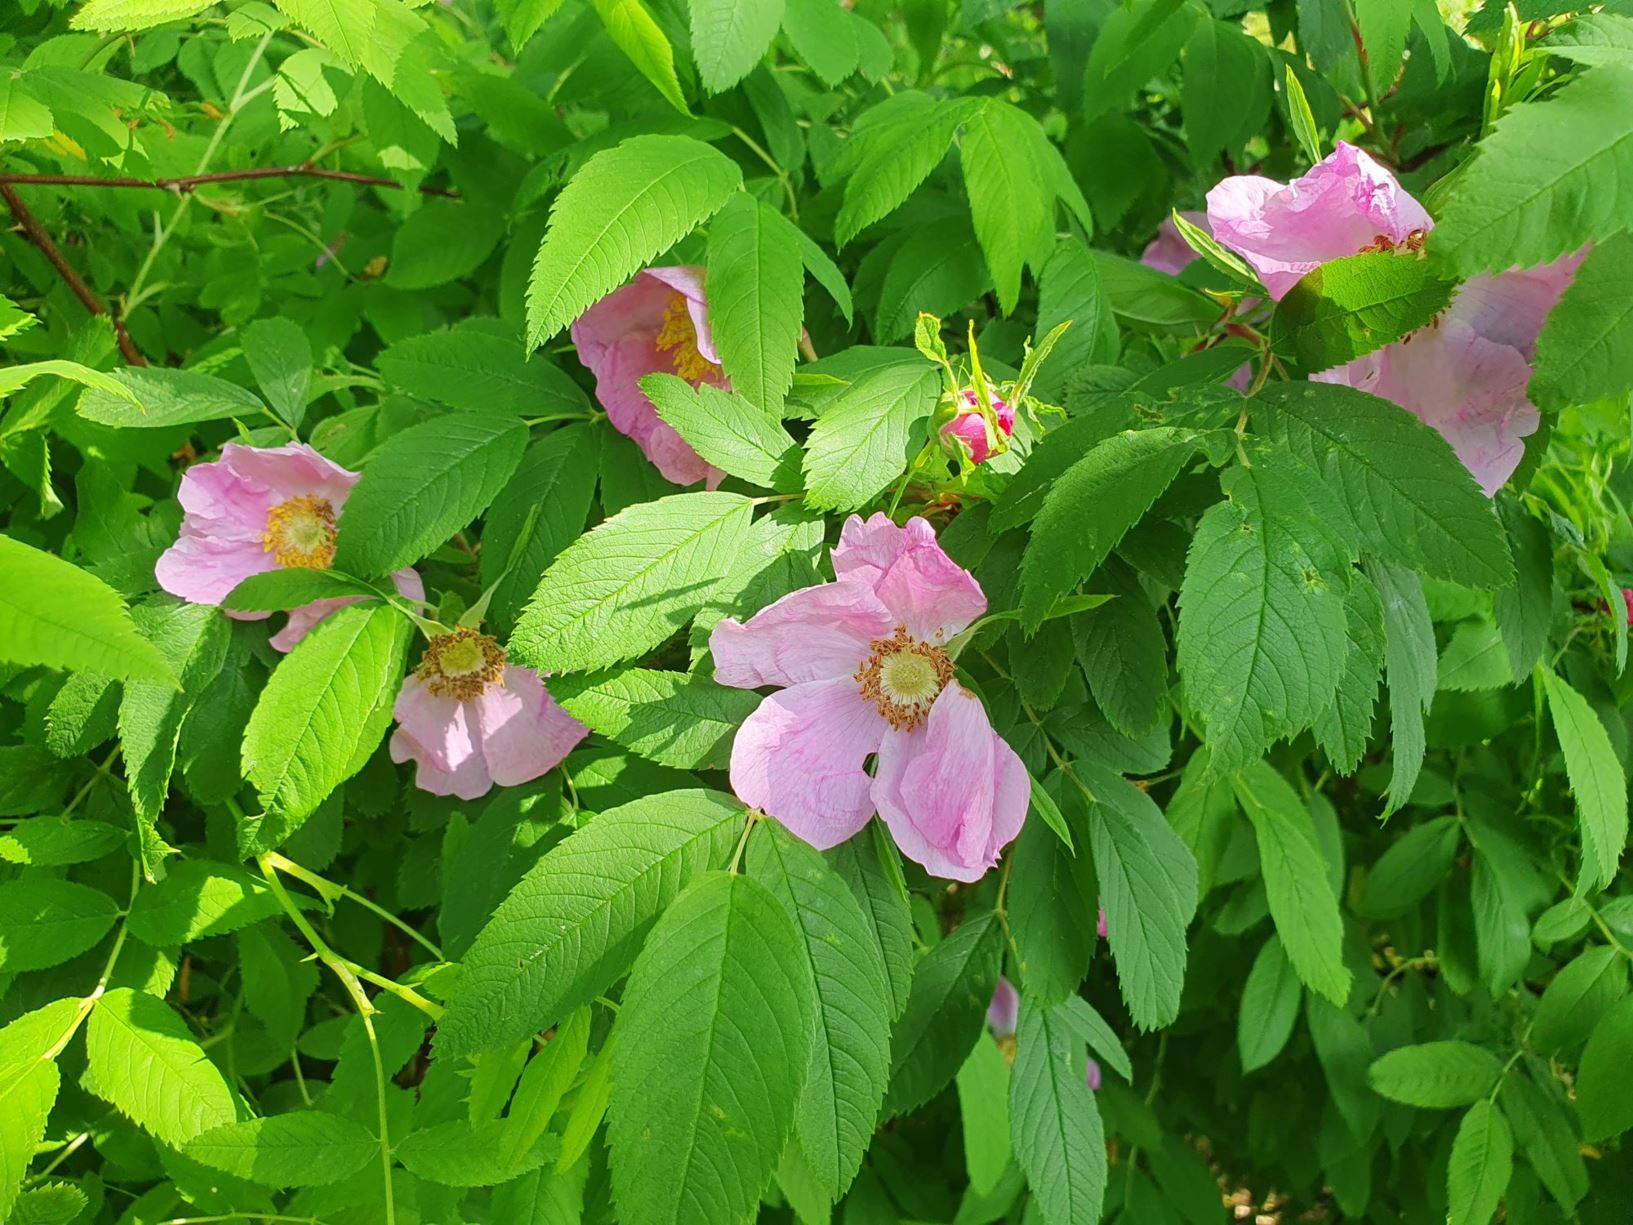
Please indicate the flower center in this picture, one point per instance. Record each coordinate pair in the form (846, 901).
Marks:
(300, 533)
(1413, 242)
(461, 665)
(679, 333)
(903, 677)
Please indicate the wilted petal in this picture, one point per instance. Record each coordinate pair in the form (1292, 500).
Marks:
(799, 758)
(808, 635)
(1342, 206)
(924, 589)
(524, 732)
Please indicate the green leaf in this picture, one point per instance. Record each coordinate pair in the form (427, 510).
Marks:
(1602, 1102)
(861, 441)
(1225, 93)
(728, 431)
(143, 1059)
(624, 206)
(983, 1111)
(669, 717)
(1410, 497)
(1597, 781)
(1474, 660)
(1436, 1075)
(1383, 28)
(198, 899)
(567, 931)
(442, 241)
(623, 588)
(642, 39)
(343, 26)
(1585, 351)
(1261, 629)
(160, 396)
(730, 36)
(712, 1044)
(1345, 727)
(1546, 1136)
(302, 1149)
(1124, 652)
(44, 922)
(1270, 1001)
(1410, 665)
(824, 36)
(1581, 993)
(479, 372)
(1135, 43)
(523, 18)
(278, 590)
(28, 1090)
(1351, 306)
(280, 358)
(1120, 478)
(22, 116)
(51, 842)
(1003, 179)
(850, 1045)
(543, 1197)
(952, 986)
(756, 282)
(1092, 1028)
(544, 1082)
(457, 1153)
(99, 637)
(872, 868)
(322, 713)
(1148, 885)
(936, 271)
(1524, 608)
(1481, 1164)
(1545, 181)
(1302, 119)
(896, 155)
(1052, 911)
(1054, 1121)
(1295, 879)
(122, 15)
(1409, 869)
(422, 485)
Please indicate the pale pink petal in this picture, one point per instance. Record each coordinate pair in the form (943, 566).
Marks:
(799, 758)
(524, 732)
(1341, 207)
(1100, 923)
(924, 589)
(219, 499)
(1091, 1073)
(808, 635)
(951, 791)
(203, 568)
(1510, 307)
(1470, 389)
(687, 280)
(289, 471)
(302, 619)
(1170, 253)
(1005, 1010)
(469, 781)
(867, 546)
(434, 730)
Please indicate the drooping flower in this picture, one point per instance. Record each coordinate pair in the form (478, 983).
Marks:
(970, 427)
(658, 323)
(863, 668)
(470, 720)
(1465, 374)
(1003, 1013)
(1168, 252)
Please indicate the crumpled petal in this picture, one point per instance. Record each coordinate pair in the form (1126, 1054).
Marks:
(924, 589)
(303, 619)
(952, 792)
(808, 635)
(799, 758)
(524, 732)
(1342, 206)
(1511, 307)
(1470, 389)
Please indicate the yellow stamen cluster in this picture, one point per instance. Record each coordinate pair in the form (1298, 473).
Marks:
(679, 334)
(300, 533)
(903, 677)
(461, 665)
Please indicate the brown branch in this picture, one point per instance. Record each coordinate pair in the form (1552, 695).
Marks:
(187, 183)
(30, 225)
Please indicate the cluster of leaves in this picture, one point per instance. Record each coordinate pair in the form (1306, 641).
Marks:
(1340, 744)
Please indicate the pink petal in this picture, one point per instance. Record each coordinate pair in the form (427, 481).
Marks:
(808, 635)
(524, 732)
(799, 758)
(1341, 207)
(1510, 307)
(687, 279)
(1091, 1073)
(952, 792)
(204, 568)
(971, 427)
(924, 589)
(1005, 1010)
(1470, 389)
(435, 731)
(290, 470)
(469, 782)
(1170, 253)
(302, 619)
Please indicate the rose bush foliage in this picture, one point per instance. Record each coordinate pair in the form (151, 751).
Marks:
(690, 611)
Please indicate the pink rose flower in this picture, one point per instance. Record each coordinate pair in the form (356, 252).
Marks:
(1346, 204)
(1466, 373)
(863, 669)
(971, 427)
(657, 324)
(1170, 253)
(468, 720)
(1003, 1014)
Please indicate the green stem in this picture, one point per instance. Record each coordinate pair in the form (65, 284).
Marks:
(329, 890)
(742, 843)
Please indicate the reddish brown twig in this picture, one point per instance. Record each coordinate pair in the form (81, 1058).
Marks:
(30, 225)
(187, 183)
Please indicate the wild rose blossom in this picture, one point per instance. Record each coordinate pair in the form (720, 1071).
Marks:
(1464, 374)
(862, 668)
(657, 324)
(258, 509)
(970, 427)
(470, 720)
